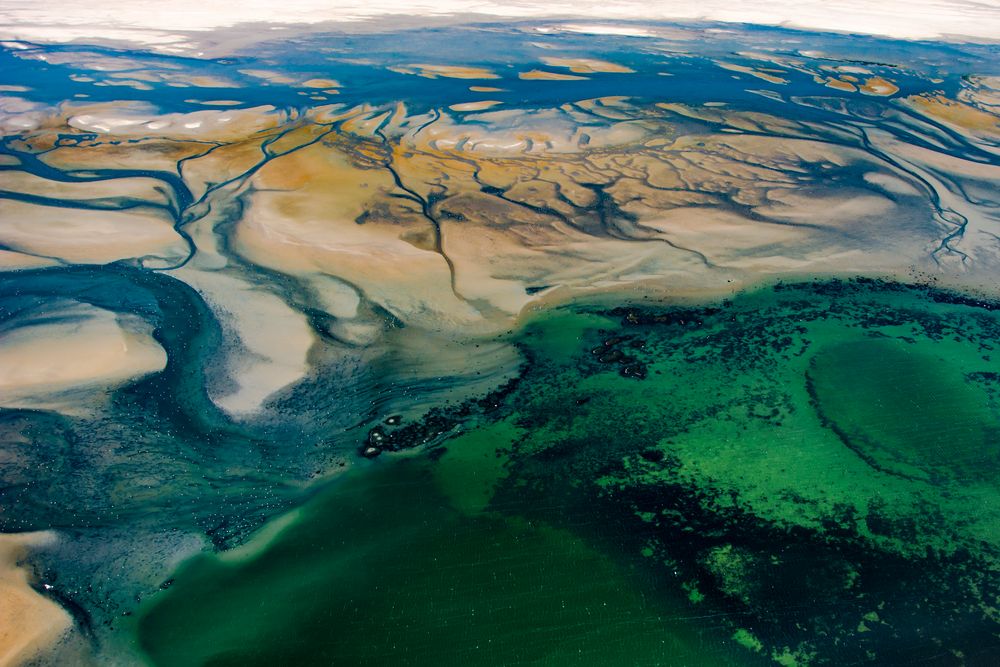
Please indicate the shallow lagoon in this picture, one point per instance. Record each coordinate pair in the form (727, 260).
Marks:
(797, 474)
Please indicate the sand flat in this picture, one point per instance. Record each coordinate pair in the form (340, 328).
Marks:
(588, 65)
(144, 189)
(955, 113)
(475, 106)
(743, 69)
(29, 622)
(840, 84)
(876, 85)
(430, 71)
(273, 339)
(73, 346)
(542, 75)
(321, 83)
(86, 236)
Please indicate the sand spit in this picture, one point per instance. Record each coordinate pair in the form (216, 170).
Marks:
(475, 106)
(588, 65)
(743, 69)
(321, 83)
(29, 623)
(147, 190)
(542, 75)
(446, 71)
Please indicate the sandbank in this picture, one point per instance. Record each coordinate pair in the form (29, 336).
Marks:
(29, 622)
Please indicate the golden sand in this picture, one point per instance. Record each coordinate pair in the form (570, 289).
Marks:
(89, 348)
(770, 78)
(840, 84)
(541, 75)
(475, 106)
(312, 228)
(955, 113)
(321, 83)
(29, 622)
(695, 207)
(587, 65)
(876, 85)
(85, 236)
(446, 71)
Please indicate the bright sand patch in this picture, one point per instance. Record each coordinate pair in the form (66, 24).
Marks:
(70, 346)
(542, 75)
(85, 236)
(732, 67)
(876, 85)
(955, 113)
(268, 75)
(305, 220)
(29, 622)
(321, 83)
(475, 106)
(274, 339)
(446, 71)
(139, 120)
(587, 65)
(839, 84)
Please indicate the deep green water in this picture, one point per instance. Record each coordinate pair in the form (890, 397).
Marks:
(803, 474)
(384, 570)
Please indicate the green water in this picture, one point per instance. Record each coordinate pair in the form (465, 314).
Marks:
(908, 411)
(803, 475)
(383, 570)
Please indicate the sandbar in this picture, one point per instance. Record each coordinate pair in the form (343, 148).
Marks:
(29, 622)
